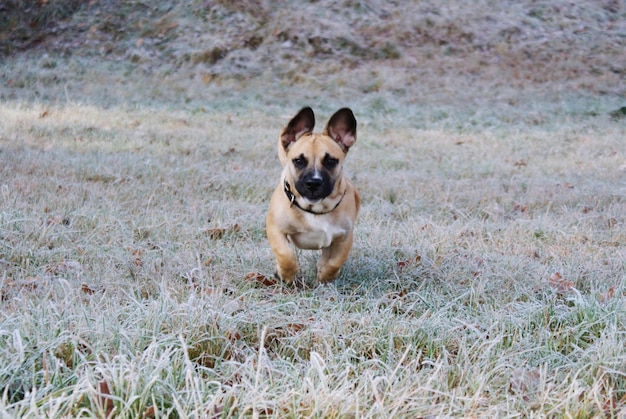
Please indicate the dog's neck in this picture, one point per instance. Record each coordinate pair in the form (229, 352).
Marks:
(292, 198)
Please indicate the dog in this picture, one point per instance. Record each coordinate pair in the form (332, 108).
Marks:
(314, 206)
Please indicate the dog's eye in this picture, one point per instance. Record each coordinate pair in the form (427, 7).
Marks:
(330, 162)
(299, 162)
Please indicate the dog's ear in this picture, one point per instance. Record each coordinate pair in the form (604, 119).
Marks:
(341, 127)
(301, 124)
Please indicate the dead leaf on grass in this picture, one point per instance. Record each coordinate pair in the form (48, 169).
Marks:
(104, 398)
(397, 295)
(150, 412)
(64, 268)
(89, 290)
(295, 327)
(405, 264)
(607, 295)
(217, 412)
(525, 383)
(260, 279)
(217, 233)
(560, 284)
(233, 335)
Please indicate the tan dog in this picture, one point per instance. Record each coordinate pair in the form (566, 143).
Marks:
(314, 206)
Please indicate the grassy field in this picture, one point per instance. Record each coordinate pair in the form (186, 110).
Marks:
(138, 154)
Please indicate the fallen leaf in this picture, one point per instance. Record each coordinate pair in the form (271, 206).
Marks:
(403, 264)
(150, 412)
(104, 398)
(396, 295)
(607, 295)
(525, 383)
(31, 283)
(233, 335)
(560, 284)
(65, 267)
(295, 327)
(57, 219)
(217, 412)
(215, 233)
(261, 279)
(138, 252)
(87, 289)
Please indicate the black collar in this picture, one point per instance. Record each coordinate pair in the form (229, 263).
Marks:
(292, 198)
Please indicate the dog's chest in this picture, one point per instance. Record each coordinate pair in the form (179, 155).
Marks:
(320, 234)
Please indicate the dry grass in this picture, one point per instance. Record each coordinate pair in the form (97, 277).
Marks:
(488, 276)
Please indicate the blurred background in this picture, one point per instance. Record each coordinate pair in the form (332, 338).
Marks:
(451, 51)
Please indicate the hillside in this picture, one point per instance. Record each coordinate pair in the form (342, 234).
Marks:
(407, 48)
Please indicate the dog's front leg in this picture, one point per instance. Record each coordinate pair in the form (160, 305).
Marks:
(333, 258)
(286, 261)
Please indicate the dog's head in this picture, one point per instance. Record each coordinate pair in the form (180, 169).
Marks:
(313, 162)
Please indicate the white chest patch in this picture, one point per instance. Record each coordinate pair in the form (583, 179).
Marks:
(321, 234)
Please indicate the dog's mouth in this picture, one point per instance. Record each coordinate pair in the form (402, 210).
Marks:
(315, 185)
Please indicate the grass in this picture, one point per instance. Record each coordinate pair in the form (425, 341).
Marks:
(488, 275)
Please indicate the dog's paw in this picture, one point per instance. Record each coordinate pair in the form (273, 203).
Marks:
(286, 279)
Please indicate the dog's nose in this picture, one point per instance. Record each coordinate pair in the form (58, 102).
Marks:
(313, 183)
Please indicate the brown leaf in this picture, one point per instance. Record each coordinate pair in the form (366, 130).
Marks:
(397, 295)
(607, 295)
(261, 279)
(233, 335)
(138, 252)
(525, 383)
(150, 412)
(66, 267)
(87, 289)
(57, 219)
(401, 264)
(404, 264)
(215, 233)
(295, 327)
(560, 284)
(104, 398)
(217, 411)
(31, 283)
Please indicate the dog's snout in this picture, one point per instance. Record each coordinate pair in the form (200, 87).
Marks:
(314, 182)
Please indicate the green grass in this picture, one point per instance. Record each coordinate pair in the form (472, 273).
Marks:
(488, 274)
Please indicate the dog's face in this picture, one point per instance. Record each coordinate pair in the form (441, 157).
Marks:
(313, 162)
